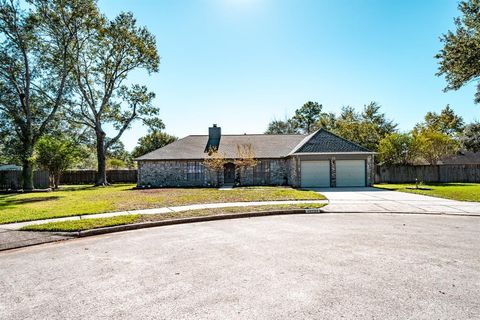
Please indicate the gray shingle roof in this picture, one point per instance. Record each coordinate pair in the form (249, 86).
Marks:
(325, 141)
(464, 157)
(264, 145)
(193, 147)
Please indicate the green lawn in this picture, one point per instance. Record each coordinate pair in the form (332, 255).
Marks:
(86, 224)
(75, 200)
(455, 191)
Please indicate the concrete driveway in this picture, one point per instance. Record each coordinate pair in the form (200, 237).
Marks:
(326, 266)
(379, 200)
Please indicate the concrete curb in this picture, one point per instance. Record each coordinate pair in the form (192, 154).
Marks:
(150, 224)
(435, 213)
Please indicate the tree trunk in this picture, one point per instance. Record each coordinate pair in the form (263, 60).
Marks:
(27, 167)
(27, 175)
(101, 179)
(57, 180)
(51, 180)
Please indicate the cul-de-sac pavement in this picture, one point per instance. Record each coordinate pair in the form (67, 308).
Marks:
(320, 266)
(239, 159)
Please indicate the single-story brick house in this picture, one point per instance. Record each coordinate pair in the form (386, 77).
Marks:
(321, 159)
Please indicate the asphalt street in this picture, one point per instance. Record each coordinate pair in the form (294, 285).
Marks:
(327, 266)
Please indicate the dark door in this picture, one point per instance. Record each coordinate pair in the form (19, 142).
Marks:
(229, 173)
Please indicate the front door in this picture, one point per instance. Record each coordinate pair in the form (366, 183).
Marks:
(229, 173)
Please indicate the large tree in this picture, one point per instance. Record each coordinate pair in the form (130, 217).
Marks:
(459, 59)
(433, 145)
(307, 116)
(371, 114)
(102, 100)
(286, 126)
(327, 121)
(366, 128)
(36, 46)
(152, 141)
(471, 137)
(398, 148)
(446, 122)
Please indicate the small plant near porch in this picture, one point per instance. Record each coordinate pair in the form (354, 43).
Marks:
(215, 162)
(245, 159)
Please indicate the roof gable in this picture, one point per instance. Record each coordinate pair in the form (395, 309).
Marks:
(324, 141)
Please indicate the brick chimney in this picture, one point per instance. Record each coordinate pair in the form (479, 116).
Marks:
(214, 132)
(214, 136)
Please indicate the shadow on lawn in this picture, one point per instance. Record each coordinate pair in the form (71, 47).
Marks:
(7, 201)
(449, 184)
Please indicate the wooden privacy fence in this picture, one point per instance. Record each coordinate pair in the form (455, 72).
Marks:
(428, 173)
(88, 176)
(12, 180)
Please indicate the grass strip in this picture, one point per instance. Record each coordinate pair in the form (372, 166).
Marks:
(84, 200)
(454, 191)
(87, 224)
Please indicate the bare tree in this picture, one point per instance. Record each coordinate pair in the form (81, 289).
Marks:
(215, 162)
(245, 157)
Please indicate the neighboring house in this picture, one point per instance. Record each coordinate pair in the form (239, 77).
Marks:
(463, 157)
(10, 167)
(321, 159)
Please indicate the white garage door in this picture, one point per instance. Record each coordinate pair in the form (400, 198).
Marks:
(350, 173)
(315, 174)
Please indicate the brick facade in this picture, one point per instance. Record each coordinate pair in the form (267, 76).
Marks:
(273, 172)
(183, 173)
(370, 170)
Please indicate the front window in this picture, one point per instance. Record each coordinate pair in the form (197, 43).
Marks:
(261, 172)
(195, 171)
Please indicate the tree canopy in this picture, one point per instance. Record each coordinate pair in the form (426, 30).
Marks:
(101, 98)
(447, 122)
(286, 126)
(152, 141)
(398, 148)
(434, 145)
(459, 59)
(365, 128)
(36, 60)
(307, 116)
(282, 127)
(56, 154)
(471, 137)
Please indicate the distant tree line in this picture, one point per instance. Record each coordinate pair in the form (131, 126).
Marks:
(439, 135)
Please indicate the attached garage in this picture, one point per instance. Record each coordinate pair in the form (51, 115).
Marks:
(351, 173)
(315, 174)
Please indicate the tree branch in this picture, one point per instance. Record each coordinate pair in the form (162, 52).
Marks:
(124, 127)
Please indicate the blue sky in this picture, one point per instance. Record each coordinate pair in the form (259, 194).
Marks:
(242, 63)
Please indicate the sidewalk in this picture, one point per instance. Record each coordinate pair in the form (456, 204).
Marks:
(16, 226)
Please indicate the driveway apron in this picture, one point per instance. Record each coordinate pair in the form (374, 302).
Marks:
(378, 200)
